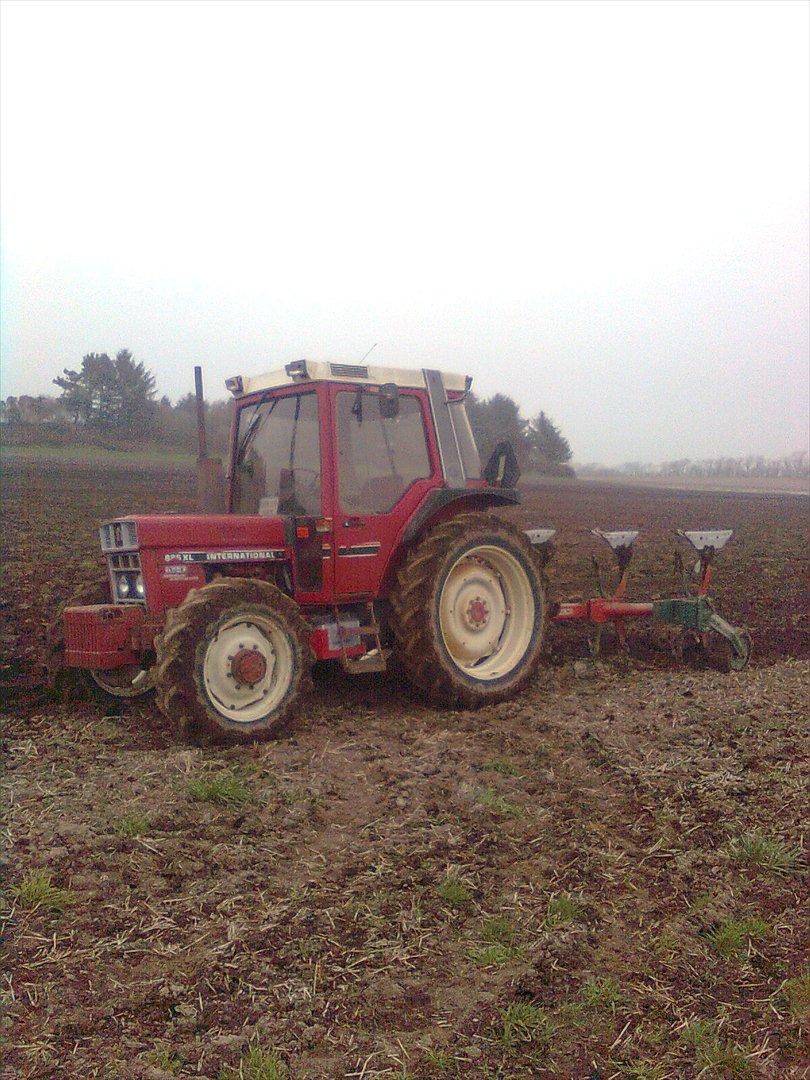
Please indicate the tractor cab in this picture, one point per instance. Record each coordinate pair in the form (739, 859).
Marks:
(380, 430)
(353, 454)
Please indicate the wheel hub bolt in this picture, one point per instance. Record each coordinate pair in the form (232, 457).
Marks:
(248, 666)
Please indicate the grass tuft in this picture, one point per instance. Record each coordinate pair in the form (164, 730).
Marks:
(602, 994)
(498, 931)
(257, 1064)
(698, 1032)
(502, 767)
(753, 849)
(713, 1057)
(491, 955)
(574, 1015)
(722, 1060)
(498, 937)
(495, 802)
(164, 1058)
(796, 994)
(220, 790)
(522, 1022)
(36, 891)
(732, 937)
(563, 909)
(645, 1070)
(454, 892)
(439, 1060)
(132, 825)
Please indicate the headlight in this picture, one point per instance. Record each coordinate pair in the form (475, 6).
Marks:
(129, 586)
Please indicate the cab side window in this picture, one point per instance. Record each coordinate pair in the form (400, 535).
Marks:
(378, 457)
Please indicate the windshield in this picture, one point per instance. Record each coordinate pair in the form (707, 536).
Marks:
(277, 465)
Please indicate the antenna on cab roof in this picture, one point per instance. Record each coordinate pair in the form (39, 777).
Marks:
(370, 351)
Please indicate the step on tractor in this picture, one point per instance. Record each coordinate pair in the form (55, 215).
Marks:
(354, 524)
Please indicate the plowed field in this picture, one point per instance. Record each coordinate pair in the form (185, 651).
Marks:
(602, 879)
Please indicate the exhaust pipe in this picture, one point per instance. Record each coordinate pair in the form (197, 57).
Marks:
(202, 452)
(210, 477)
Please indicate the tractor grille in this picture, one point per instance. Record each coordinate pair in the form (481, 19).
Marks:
(125, 570)
(118, 535)
(129, 560)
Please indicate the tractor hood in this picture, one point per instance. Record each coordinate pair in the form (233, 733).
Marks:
(200, 532)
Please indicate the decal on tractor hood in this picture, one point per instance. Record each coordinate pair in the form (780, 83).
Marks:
(250, 555)
(175, 571)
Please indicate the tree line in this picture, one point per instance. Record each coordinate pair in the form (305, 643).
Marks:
(755, 465)
(115, 399)
(111, 400)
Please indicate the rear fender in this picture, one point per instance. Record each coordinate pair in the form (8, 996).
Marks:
(439, 505)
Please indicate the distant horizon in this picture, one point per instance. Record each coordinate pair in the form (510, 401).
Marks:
(576, 463)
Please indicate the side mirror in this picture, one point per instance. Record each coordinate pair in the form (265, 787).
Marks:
(389, 401)
(210, 485)
(502, 469)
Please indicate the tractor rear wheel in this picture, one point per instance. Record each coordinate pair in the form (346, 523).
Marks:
(233, 661)
(468, 611)
(118, 684)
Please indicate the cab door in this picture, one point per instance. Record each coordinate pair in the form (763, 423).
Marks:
(385, 465)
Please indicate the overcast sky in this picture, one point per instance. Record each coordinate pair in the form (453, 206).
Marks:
(601, 209)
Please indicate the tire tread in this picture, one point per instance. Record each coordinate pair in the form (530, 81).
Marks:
(176, 648)
(410, 602)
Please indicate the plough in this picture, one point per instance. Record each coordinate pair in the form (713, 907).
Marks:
(692, 610)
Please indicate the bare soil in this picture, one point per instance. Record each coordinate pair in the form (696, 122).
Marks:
(604, 878)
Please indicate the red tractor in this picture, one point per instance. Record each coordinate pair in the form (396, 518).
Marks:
(356, 525)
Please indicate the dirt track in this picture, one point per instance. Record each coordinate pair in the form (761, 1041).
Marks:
(603, 878)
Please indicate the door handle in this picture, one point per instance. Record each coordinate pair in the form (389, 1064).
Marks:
(353, 522)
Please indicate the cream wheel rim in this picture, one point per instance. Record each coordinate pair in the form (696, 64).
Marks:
(268, 646)
(487, 612)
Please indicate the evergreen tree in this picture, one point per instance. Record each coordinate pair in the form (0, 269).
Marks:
(110, 395)
(497, 419)
(549, 447)
(136, 391)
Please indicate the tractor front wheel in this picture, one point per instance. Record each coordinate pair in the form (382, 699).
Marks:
(233, 661)
(468, 611)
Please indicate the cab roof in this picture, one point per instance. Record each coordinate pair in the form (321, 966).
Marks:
(302, 371)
